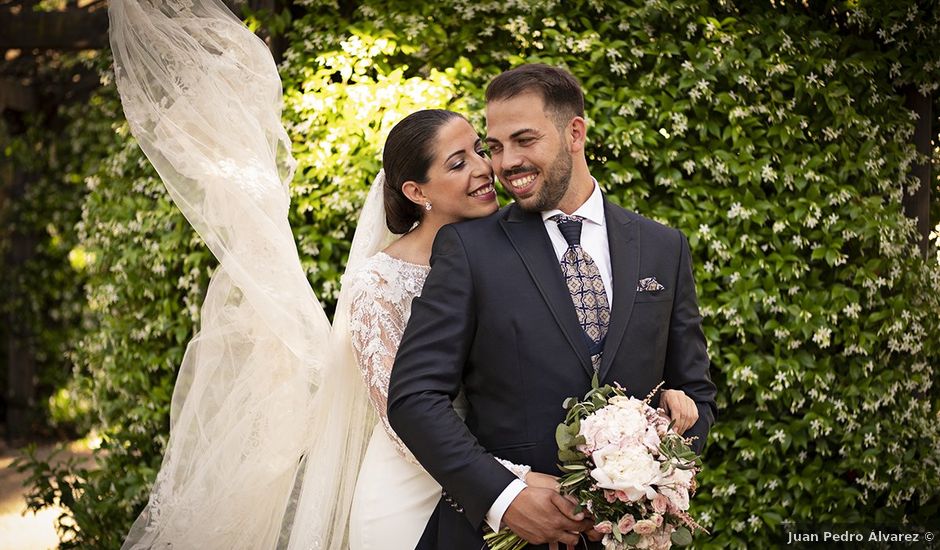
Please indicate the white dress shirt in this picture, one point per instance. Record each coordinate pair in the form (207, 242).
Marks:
(594, 242)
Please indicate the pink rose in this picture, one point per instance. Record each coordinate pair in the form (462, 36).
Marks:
(660, 503)
(604, 527)
(626, 524)
(644, 527)
(660, 540)
(657, 519)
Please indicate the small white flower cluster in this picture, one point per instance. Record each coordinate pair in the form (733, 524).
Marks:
(738, 211)
(700, 90)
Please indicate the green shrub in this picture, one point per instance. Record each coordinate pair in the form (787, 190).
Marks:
(776, 140)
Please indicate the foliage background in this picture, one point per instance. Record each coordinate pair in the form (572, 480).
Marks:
(775, 136)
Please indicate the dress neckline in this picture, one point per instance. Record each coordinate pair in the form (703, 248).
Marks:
(405, 262)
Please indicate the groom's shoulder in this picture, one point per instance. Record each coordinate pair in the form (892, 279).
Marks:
(650, 229)
(484, 224)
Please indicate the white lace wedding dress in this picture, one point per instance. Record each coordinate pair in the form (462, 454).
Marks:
(394, 496)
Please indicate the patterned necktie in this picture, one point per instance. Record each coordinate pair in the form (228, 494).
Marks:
(585, 286)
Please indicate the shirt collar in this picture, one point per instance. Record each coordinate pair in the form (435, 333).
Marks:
(592, 210)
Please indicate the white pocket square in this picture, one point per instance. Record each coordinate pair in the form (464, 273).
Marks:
(649, 284)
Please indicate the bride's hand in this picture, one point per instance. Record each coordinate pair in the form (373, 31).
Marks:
(544, 481)
(680, 408)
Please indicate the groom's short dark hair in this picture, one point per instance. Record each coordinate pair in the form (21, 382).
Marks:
(559, 89)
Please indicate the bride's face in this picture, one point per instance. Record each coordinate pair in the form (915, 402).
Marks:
(460, 178)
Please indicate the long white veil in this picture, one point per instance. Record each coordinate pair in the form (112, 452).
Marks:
(343, 417)
(203, 98)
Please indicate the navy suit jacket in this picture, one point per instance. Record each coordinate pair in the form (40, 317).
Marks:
(496, 319)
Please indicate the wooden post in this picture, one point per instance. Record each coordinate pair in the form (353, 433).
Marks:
(917, 206)
(21, 362)
(72, 29)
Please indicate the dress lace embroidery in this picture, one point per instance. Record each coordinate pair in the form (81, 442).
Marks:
(381, 305)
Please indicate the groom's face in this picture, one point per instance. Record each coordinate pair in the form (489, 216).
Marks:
(530, 156)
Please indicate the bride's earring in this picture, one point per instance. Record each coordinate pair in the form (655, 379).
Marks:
(427, 205)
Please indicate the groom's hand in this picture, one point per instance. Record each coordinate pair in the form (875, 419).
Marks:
(680, 408)
(542, 516)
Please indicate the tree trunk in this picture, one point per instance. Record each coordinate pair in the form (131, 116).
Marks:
(21, 362)
(917, 206)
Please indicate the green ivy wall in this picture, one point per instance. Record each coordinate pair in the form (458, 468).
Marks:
(776, 139)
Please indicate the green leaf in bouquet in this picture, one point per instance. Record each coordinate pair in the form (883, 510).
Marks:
(681, 536)
(632, 539)
(562, 437)
(575, 427)
(570, 402)
(504, 540)
(573, 479)
(595, 392)
(568, 455)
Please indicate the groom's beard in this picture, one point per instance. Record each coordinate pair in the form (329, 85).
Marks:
(554, 185)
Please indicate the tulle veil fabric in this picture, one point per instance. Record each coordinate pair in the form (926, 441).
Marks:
(268, 393)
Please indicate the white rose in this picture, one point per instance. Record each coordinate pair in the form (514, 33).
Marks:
(629, 469)
(652, 440)
(675, 487)
(679, 477)
(679, 496)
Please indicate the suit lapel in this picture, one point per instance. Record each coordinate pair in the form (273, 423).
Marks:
(624, 245)
(526, 232)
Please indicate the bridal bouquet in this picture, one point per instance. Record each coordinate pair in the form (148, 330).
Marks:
(624, 463)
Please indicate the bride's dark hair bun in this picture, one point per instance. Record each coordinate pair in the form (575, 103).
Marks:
(409, 151)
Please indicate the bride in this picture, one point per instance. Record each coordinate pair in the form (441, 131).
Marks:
(269, 394)
(435, 173)
(275, 441)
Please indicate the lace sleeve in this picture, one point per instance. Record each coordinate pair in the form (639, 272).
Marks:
(376, 326)
(520, 470)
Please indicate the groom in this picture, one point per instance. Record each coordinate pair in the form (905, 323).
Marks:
(522, 308)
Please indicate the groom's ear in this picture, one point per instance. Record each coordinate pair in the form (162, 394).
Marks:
(576, 134)
(412, 190)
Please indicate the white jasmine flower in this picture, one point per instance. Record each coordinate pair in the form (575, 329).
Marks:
(822, 337)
